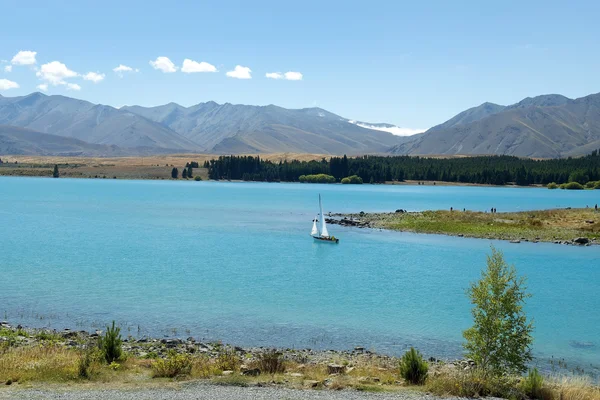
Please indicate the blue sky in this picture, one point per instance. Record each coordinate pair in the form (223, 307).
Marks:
(413, 64)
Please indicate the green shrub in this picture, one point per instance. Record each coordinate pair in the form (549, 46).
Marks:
(597, 185)
(354, 179)
(572, 186)
(110, 344)
(228, 361)
(413, 368)
(174, 365)
(197, 178)
(552, 185)
(473, 384)
(318, 178)
(590, 185)
(271, 362)
(532, 385)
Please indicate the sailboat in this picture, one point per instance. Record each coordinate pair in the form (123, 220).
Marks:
(320, 233)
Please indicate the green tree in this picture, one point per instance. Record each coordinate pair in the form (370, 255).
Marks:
(190, 172)
(174, 173)
(110, 344)
(184, 174)
(55, 173)
(500, 340)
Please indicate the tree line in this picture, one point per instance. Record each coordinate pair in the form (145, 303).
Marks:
(495, 170)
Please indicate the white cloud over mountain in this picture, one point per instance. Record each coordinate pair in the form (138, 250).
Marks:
(24, 57)
(290, 75)
(55, 73)
(163, 64)
(5, 84)
(240, 72)
(191, 66)
(94, 77)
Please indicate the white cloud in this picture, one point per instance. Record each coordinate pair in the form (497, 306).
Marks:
(290, 76)
(94, 77)
(55, 73)
(191, 66)
(24, 57)
(121, 69)
(240, 73)
(43, 87)
(73, 86)
(5, 84)
(163, 64)
(8, 68)
(293, 76)
(394, 130)
(274, 75)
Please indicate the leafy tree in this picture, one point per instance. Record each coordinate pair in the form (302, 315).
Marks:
(500, 340)
(184, 174)
(174, 173)
(190, 172)
(55, 173)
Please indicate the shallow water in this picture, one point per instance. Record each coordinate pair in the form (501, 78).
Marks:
(234, 261)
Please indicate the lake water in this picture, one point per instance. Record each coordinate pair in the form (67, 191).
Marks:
(234, 261)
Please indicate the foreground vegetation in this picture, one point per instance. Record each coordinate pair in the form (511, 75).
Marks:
(492, 170)
(558, 225)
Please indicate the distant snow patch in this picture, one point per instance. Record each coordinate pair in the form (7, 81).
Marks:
(394, 130)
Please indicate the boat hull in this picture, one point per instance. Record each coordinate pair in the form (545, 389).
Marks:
(326, 239)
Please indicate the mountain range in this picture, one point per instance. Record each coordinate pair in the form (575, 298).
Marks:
(205, 127)
(547, 126)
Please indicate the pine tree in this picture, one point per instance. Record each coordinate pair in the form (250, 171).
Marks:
(55, 173)
(184, 174)
(174, 173)
(190, 171)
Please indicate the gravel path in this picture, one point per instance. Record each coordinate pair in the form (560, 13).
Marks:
(201, 391)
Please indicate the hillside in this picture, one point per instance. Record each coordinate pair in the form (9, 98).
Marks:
(547, 126)
(92, 123)
(20, 141)
(230, 128)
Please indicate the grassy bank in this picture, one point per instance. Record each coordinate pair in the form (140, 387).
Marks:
(548, 225)
(34, 358)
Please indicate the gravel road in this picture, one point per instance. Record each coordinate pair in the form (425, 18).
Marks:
(201, 391)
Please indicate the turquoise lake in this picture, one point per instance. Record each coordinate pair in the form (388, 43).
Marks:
(235, 262)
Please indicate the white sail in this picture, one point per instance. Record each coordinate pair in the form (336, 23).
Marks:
(314, 231)
(324, 232)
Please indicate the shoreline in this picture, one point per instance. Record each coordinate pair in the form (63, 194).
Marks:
(569, 226)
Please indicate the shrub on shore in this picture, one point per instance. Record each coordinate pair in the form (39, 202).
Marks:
(197, 178)
(532, 385)
(354, 179)
(174, 365)
(413, 368)
(552, 185)
(318, 178)
(271, 362)
(110, 344)
(572, 186)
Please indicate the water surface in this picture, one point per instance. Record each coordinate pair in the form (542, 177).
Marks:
(234, 261)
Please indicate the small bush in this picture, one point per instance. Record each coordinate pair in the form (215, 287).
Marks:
(84, 364)
(572, 186)
(552, 185)
(413, 368)
(590, 185)
(174, 365)
(354, 179)
(228, 361)
(532, 384)
(197, 178)
(473, 384)
(318, 178)
(271, 362)
(110, 344)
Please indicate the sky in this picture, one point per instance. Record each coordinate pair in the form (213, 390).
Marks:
(414, 64)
